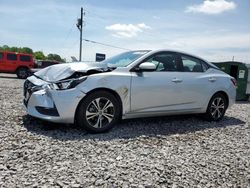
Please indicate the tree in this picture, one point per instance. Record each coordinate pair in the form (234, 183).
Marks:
(5, 47)
(55, 57)
(14, 49)
(26, 50)
(39, 55)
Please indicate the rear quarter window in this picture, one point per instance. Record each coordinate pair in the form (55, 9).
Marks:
(12, 57)
(25, 58)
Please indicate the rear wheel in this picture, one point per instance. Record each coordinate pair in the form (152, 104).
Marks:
(22, 73)
(98, 112)
(217, 107)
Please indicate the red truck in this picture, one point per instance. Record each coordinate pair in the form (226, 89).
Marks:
(18, 63)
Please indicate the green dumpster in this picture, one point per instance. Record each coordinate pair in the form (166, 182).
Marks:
(241, 72)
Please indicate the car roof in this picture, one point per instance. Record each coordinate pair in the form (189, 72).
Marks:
(151, 52)
(177, 51)
(17, 53)
(182, 52)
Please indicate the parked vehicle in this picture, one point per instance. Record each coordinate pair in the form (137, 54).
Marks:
(241, 72)
(130, 85)
(40, 64)
(17, 63)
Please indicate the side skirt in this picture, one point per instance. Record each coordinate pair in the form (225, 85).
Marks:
(131, 115)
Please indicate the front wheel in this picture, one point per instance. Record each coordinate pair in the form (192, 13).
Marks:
(216, 108)
(98, 112)
(22, 73)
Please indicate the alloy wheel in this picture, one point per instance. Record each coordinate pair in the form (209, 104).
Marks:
(22, 73)
(100, 112)
(217, 108)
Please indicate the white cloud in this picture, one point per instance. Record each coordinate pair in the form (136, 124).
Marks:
(215, 47)
(212, 7)
(230, 40)
(156, 17)
(127, 30)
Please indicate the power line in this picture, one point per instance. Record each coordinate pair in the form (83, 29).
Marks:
(69, 32)
(95, 42)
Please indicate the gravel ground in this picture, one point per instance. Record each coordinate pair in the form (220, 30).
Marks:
(182, 151)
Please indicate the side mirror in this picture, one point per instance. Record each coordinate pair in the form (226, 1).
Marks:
(147, 66)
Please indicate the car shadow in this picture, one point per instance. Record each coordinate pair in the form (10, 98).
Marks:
(126, 129)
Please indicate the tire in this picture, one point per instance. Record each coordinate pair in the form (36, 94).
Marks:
(22, 73)
(98, 112)
(217, 107)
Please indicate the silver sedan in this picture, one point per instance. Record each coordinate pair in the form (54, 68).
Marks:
(130, 85)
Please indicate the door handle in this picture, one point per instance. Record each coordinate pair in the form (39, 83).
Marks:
(176, 80)
(212, 79)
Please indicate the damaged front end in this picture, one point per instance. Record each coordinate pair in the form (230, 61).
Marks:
(43, 94)
(63, 85)
(51, 93)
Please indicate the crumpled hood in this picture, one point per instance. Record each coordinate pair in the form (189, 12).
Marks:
(62, 71)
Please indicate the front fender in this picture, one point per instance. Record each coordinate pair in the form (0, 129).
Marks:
(119, 83)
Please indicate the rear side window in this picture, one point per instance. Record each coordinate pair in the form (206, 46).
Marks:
(12, 57)
(1, 55)
(191, 64)
(25, 58)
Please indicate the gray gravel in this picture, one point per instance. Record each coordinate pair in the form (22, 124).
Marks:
(180, 151)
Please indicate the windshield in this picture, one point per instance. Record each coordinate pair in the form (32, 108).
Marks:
(124, 59)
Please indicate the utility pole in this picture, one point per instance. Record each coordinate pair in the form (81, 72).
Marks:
(80, 26)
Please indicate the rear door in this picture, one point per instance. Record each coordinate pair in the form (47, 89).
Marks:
(26, 60)
(196, 83)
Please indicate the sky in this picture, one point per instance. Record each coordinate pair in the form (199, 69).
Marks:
(216, 30)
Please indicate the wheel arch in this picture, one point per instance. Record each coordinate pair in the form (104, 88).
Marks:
(223, 93)
(22, 66)
(116, 95)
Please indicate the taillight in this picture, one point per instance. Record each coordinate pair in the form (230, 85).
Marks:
(234, 81)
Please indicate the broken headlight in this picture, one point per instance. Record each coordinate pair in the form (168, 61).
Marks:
(65, 84)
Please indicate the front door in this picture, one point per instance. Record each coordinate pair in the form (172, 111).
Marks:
(159, 90)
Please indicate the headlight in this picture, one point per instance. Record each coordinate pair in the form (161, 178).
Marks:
(65, 84)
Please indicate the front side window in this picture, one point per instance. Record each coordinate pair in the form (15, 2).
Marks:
(1, 55)
(12, 57)
(25, 58)
(191, 64)
(164, 61)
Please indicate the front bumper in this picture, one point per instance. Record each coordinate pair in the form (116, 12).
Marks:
(57, 106)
